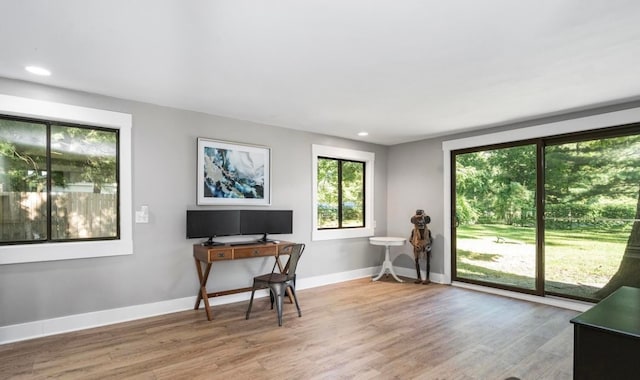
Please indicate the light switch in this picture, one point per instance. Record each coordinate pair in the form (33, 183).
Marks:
(142, 215)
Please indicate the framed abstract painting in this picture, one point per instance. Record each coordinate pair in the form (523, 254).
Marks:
(233, 174)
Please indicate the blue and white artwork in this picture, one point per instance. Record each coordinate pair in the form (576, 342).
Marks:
(232, 174)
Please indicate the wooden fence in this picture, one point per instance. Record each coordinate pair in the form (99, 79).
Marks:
(73, 216)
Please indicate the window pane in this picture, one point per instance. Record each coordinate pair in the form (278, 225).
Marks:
(23, 181)
(591, 196)
(495, 216)
(352, 194)
(327, 193)
(84, 189)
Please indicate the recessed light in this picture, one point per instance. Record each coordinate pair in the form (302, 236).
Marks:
(38, 71)
(363, 133)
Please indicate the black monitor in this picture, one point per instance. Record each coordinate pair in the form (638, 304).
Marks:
(212, 223)
(263, 222)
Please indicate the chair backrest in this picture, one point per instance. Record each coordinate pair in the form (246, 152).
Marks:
(294, 251)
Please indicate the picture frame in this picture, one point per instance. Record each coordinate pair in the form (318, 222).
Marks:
(230, 173)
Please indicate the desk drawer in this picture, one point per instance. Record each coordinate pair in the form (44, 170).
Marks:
(243, 253)
(220, 254)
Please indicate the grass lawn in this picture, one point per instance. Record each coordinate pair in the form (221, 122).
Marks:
(577, 262)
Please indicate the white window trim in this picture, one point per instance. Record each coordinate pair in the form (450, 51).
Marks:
(346, 154)
(542, 130)
(38, 109)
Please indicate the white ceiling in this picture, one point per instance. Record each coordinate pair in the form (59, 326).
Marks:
(401, 70)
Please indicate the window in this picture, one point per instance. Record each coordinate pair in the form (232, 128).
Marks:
(65, 180)
(57, 182)
(342, 193)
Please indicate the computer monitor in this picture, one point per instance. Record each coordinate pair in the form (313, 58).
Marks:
(212, 223)
(263, 222)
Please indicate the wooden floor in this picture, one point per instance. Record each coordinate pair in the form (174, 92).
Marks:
(351, 330)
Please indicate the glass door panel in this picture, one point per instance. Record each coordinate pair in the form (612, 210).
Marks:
(591, 200)
(495, 214)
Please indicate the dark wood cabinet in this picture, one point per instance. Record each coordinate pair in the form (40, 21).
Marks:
(607, 338)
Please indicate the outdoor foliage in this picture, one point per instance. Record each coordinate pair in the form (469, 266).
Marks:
(340, 193)
(589, 183)
(592, 183)
(489, 190)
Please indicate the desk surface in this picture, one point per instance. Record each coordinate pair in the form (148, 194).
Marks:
(618, 313)
(211, 253)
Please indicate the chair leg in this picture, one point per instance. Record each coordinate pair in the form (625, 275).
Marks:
(278, 292)
(253, 292)
(295, 298)
(271, 296)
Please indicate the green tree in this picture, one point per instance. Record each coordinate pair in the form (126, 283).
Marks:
(512, 201)
(474, 192)
(340, 181)
(588, 172)
(22, 155)
(514, 181)
(89, 152)
(327, 192)
(465, 214)
(588, 180)
(497, 185)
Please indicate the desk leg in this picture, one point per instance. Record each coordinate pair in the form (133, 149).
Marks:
(387, 266)
(202, 294)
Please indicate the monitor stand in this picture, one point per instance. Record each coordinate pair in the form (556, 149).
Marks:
(264, 239)
(211, 243)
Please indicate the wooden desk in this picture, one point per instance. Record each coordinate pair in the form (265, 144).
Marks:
(205, 256)
(607, 338)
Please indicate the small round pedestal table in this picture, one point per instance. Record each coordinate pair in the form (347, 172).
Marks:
(387, 241)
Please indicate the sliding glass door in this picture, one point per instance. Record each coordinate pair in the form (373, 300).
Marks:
(495, 216)
(591, 194)
(553, 216)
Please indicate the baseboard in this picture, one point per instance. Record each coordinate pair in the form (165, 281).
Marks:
(551, 301)
(41, 328)
(36, 329)
(438, 278)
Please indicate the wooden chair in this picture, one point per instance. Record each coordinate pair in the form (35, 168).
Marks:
(278, 283)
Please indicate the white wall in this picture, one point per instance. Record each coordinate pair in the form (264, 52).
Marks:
(415, 182)
(164, 165)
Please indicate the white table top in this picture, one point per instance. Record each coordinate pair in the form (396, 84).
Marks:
(387, 240)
